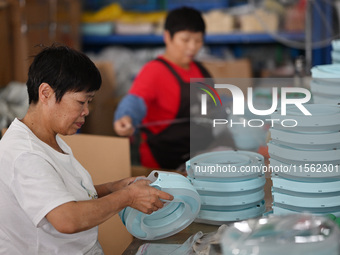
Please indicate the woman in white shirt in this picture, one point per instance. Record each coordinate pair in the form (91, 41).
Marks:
(48, 202)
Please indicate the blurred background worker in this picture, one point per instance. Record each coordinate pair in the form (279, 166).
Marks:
(158, 102)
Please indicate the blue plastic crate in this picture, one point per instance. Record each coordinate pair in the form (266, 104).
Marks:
(201, 5)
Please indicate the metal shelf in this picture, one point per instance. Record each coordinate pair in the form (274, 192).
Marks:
(219, 39)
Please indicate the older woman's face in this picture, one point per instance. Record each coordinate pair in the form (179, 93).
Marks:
(69, 114)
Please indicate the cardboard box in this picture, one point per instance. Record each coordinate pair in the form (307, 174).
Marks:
(238, 71)
(100, 119)
(107, 159)
(6, 68)
(218, 22)
(52, 21)
(26, 24)
(259, 21)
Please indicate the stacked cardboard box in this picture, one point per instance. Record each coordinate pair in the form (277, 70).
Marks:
(26, 24)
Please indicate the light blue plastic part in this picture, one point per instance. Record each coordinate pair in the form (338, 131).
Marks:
(306, 201)
(327, 87)
(224, 188)
(336, 45)
(306, 187)
(231, 208)
(219, 217)
(277, 210)
(335, 57)
(198, 167)
(301, 172)
(294, 156)
(102, 28)
(323, 99)
(326, 71)
(173, 217)
(325, 118)
(232, 200)
(307, 141)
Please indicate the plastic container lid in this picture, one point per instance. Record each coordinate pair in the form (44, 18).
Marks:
(294, 156)
(215, 217)
(173, 217)
(291, 234)
(324, 118)
(226, 165)
(308, 141)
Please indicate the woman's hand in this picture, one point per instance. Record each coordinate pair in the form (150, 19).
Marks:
(123, 126)
(146, 198)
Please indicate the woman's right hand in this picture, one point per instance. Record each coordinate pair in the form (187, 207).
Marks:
(123, 126)
(146, 198)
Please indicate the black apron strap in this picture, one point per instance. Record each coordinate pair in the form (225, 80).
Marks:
(203, 70)
(171, 69)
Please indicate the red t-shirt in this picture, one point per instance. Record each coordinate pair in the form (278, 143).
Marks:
(161, 93)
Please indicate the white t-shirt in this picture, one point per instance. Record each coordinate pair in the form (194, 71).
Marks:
(34, 179)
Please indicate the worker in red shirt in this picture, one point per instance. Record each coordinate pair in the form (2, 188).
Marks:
(159, 99)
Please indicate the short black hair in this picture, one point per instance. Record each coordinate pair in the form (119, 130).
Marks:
(64, 69)
(184, 18)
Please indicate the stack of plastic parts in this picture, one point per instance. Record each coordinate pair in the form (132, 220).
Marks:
(335, 53)
(230, 184)
(325, 84)
(305, 161)
(291, 234)
(173, 217)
